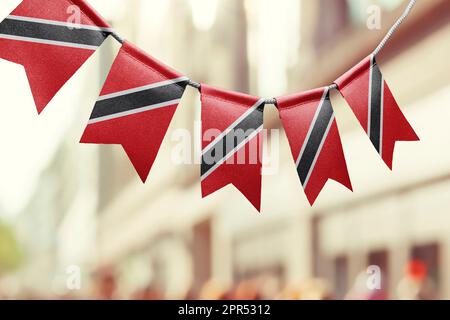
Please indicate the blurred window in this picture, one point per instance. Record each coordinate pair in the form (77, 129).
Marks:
(341, 277)
(358, 8)
(381, 259)
(429, 255)
(201, 251)
(333, 18)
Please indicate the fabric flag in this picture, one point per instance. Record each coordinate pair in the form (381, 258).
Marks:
(370, 98)
(232, 125)
(39, 36)
(310, 125)
(136, 106)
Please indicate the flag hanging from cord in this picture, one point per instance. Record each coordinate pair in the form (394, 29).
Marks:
(370, 98)
(52, 39)
(136, 106)
(232, 125)
(310, 125)
(39, 36)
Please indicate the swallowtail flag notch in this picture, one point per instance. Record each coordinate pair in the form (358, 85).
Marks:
(136, 106)
(232, 126)
(38, 36)
(371, 100)
(309, 121)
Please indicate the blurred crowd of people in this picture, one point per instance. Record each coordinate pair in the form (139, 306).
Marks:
(416, 284)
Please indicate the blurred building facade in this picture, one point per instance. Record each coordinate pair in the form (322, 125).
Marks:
(402, 219)
(162, 240)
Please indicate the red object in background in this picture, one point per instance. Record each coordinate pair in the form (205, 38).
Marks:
(38, 36)
(136, 106)
(232, 126)
(417, 270)
(371, 100)
(310, 125)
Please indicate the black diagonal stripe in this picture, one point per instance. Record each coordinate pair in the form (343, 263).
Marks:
(235, 137)
(45, 31)
(315, 140)
(376, 105)
(139, 99)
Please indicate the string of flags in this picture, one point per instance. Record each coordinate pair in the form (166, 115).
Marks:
(140, 97)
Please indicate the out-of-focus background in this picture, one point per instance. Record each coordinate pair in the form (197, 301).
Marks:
(68, 209)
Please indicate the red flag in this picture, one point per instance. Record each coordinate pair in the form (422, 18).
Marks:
(136, 106)
(232, 125)
(371, 100)
(39, 36)
(310, 125)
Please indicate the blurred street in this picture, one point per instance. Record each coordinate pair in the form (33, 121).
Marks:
(77, 223)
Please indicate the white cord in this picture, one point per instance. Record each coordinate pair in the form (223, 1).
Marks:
(395, 27)
(380, 47)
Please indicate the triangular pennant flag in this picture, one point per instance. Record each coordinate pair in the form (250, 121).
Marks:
(371, 100)
(232, 125)
(309, 121)
(136, 106)
(38, 36)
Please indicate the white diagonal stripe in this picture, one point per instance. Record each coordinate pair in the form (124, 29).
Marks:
(381, 116)
(319, 150)
(143, 88)
(60, 23)
(369, 112)
(232, 152)
(232, 126)
(135, 111)
(49, 42)
(311, 128)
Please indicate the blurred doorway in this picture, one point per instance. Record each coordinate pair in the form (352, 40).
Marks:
(341, 278)
(201, 254)
(429, 256)
(380, 259)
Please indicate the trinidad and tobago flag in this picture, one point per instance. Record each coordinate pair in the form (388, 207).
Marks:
(310, 125)
(38, 36)
(136, 106)
(370, 98)
(232, 125)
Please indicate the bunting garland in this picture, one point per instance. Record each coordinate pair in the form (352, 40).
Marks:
(140, 97)
(38, 36)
